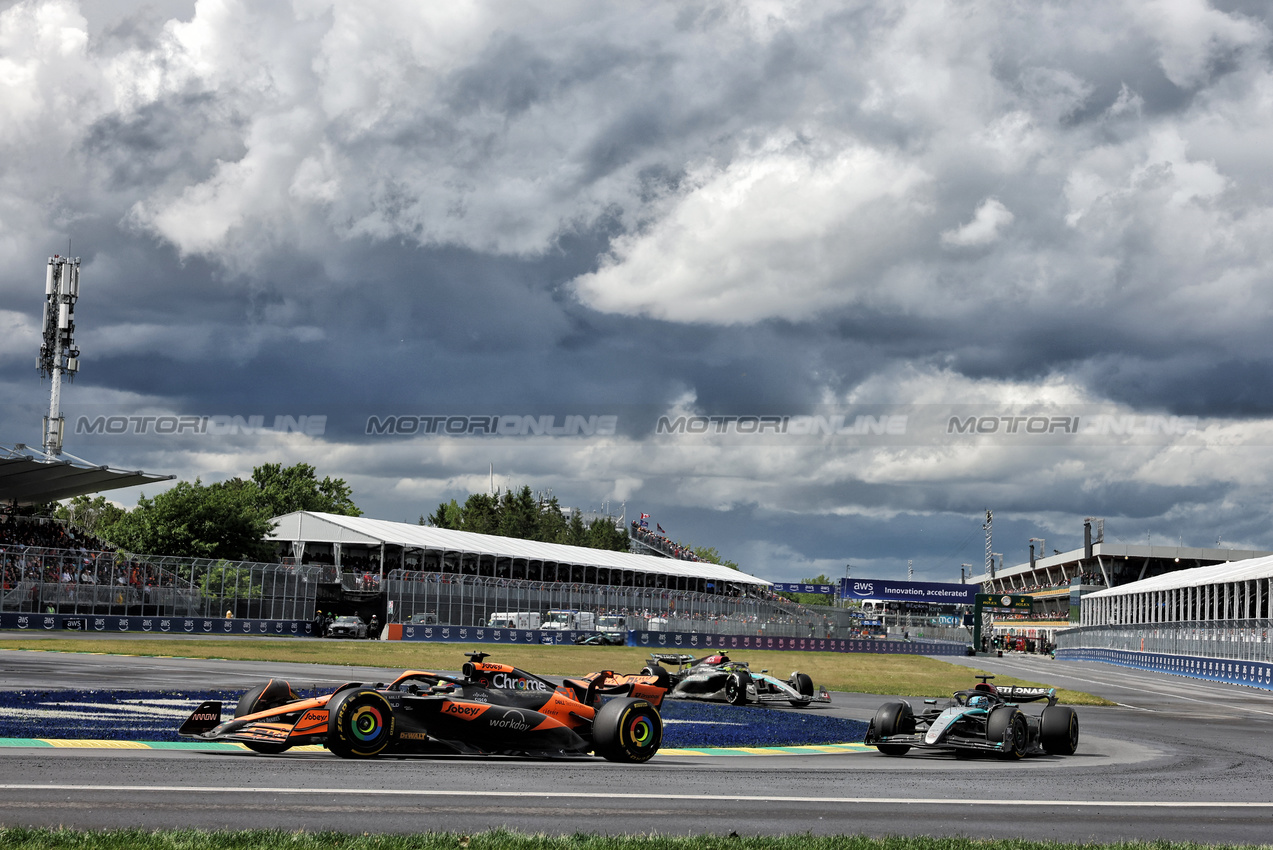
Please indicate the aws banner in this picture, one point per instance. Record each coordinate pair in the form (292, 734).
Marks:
(691, 642)
(787, 587)
(173, 625)
(934, 593)
(482, 634)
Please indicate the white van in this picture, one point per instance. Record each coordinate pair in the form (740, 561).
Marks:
(514, 620)
(561, 619)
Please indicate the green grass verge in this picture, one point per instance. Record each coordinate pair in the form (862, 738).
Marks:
(136, 839)
(899, 675)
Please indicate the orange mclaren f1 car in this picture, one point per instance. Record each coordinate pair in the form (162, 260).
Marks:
(490, 709)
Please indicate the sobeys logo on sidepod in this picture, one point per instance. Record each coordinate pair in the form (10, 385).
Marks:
(463, 711)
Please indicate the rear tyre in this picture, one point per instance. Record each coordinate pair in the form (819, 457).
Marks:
(360, 723)
(272, 694)
(736, 688)
(1006, 725)
(1059, 730)
(659, 672)
(627, 730)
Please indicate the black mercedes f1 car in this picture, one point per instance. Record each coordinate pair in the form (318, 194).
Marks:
(981, 720)
(716, 677)
(490, 709)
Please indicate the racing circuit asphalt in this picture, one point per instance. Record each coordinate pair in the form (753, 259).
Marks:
(1178, 759)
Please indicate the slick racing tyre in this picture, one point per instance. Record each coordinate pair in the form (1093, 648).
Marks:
(1006, 725)
(360, 723)
(736, 688)
(803, 685)
(272, 694)
(627, 730)
(893, 718)
(659, 672)
(1059, 730)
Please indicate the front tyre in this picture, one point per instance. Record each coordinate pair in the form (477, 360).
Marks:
(627, 730)
(272, 694)
(736, 688)
(803, 685)
(1006, 725)
(1059, 730)
(360, 723)
(893, 718)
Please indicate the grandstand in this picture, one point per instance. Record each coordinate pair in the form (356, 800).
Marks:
(375, 547)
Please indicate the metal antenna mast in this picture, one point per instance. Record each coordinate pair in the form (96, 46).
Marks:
(58, 354)
(990, 558)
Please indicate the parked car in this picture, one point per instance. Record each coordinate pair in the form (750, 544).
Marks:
(347, 627)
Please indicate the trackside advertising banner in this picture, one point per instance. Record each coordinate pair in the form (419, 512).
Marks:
(910, 591)
(1256, 674)
(789, 587)
(174, 625)
(688, 642)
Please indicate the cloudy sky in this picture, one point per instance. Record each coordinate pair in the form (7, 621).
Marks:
(885, 220)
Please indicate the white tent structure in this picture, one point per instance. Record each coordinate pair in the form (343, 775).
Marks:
(401, 545)
(1239, 590)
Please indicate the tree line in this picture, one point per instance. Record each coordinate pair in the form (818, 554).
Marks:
(526, 516)
(228, 519)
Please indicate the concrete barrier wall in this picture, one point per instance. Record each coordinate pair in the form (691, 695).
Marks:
(1256, 674)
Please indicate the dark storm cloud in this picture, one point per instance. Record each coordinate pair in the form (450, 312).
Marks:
(713, 207)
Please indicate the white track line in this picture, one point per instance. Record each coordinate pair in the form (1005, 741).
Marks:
(580, 795)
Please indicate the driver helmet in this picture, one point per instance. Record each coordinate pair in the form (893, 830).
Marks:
(979, 701)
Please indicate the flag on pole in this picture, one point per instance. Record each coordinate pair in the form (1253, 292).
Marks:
(660, 528)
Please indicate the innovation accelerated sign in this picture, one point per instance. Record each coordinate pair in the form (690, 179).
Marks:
(931, 592)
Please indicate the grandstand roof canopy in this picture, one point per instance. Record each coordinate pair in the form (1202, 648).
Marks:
(29, 478)
(1245, 570)
(314, 527)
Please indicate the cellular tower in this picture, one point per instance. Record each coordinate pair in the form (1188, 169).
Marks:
(58, 354)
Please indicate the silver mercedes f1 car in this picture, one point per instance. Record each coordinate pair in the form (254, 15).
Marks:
(981, 720)
(716, 677)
